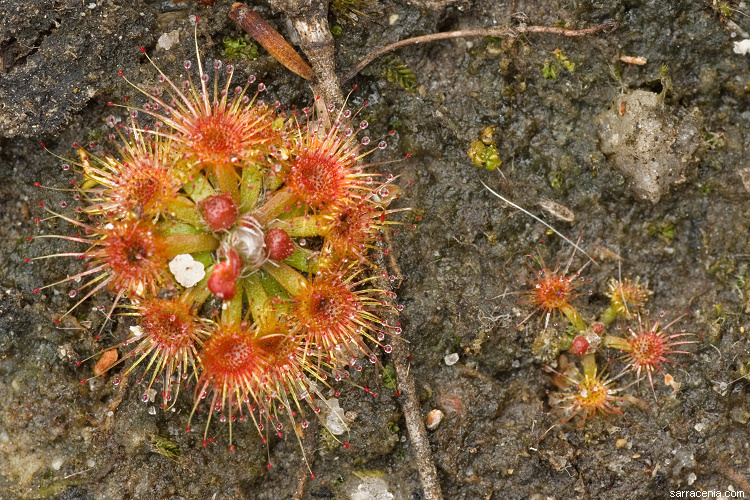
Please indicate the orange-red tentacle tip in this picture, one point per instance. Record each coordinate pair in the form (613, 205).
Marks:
(270, 39)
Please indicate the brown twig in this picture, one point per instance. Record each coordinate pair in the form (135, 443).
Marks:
(108, 418)
(733, 475)
(408, 396)
(310, 20)
(493, 31)
(308, 448)
(414, 421)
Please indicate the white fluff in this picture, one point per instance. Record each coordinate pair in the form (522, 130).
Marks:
(742, 47)
(187, 271)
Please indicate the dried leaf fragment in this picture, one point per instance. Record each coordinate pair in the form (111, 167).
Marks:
(108, 359)
(558, 211)
(639, 61)
(270, 39)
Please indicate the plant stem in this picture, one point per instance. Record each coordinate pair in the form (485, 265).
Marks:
(414, 421)
(292, 281)
(575, 318)
(190, 243)
(493, 31)
(608, 316)
(300, 227)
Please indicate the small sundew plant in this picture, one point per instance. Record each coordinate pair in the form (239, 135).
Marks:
(552, 292)
(585, 392)
(645, 348)
(626, 296)
(240, 239)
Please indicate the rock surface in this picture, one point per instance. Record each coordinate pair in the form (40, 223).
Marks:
(648, 144)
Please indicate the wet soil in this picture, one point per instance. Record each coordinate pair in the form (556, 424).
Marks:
(63, 439)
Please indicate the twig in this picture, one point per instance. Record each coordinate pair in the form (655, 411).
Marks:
(108, 419)
(310, 19)
(414, 421)
(408, 393)
(493, 31)
(308, 448)
(733, 475)
(431, 4)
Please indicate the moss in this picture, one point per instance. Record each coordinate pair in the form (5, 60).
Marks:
(239, 48)
(165, 447)
(564, 61)
(395, 70)
(389, 376)
(664, 230)
(549, 70)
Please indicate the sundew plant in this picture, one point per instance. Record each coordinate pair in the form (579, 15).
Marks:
(240, 238)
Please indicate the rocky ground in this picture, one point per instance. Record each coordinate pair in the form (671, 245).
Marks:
(649, 159)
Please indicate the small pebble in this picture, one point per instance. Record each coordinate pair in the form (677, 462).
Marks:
(621, 442)
(742, 47)
(637, 60)
(167, 40)
(433, 419)
(451, 359)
